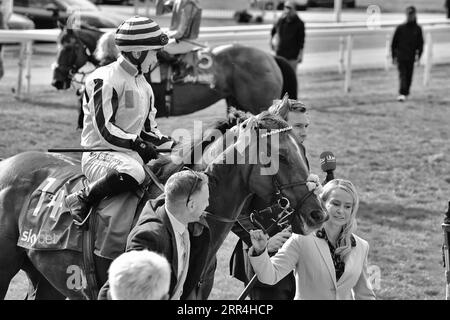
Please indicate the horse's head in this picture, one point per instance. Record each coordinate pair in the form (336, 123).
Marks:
(281, 173)
(294, 113)
(75, 49)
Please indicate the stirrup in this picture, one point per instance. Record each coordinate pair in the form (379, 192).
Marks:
(82, 223)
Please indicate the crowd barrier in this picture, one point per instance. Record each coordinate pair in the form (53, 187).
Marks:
(345, 33)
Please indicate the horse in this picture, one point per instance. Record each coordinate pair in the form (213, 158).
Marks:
(247, 78)
(21, 174)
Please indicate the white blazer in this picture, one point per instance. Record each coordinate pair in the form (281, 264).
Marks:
(314, 269)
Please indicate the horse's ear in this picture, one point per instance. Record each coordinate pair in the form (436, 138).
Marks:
(281, 107)
(246, 130)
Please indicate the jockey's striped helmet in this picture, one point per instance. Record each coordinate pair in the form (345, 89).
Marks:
(139, 34)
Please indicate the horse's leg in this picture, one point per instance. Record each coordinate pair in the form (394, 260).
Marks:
(63, 270)
(208, 280)
(40, 288)
(101, 269)
(11, 260)
(80, 111)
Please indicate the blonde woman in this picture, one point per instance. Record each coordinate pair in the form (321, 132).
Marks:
(330, 264)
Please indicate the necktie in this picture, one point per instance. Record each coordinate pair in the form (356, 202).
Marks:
(185, 244)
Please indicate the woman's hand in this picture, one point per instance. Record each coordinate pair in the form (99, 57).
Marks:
(259, 240)
(277, 241)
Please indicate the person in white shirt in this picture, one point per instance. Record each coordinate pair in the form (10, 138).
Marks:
(330, 264)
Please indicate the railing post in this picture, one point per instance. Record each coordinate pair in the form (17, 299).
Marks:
(337, 10)
(388, 52)
(348, 64)
(428, 58)
(28, 55)
(341, 64)
(23, 45)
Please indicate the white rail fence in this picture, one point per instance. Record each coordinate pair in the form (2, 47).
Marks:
(345, 34)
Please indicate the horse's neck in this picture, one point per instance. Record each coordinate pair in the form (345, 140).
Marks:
(228, 194)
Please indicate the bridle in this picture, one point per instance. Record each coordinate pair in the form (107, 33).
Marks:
(278, 212)
(73, 69)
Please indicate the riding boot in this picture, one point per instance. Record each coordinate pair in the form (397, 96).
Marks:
(114, 183)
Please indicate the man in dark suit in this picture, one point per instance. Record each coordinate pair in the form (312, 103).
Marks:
(407, 48)
(288, 35)
(173, 226)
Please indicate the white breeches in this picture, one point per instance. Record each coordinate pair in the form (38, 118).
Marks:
(95, 165)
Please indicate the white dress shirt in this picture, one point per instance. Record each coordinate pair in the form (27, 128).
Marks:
(183, 249)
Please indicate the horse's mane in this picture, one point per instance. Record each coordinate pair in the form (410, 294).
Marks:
(106, 50)
(164, 167)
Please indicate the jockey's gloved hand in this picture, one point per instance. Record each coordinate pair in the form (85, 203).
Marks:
(145, 149)
(167, 142)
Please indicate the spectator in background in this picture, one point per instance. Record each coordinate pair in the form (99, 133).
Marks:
(139, 275)
(406, 48)
(6, 8)
(288, 35)
(447, 5)
(184, 27)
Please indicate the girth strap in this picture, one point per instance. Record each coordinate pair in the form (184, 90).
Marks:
(88, 256)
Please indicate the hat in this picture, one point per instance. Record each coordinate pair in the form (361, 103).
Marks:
(139, 34)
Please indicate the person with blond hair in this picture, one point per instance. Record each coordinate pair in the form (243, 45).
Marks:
(139, 275)
(330, 264)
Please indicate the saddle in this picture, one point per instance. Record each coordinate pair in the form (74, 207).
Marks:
(48, 224)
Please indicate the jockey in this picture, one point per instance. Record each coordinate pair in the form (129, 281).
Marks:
(119, 114)
(184, 26)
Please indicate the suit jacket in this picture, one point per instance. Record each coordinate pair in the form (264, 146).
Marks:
(154, 232)
(314, 270)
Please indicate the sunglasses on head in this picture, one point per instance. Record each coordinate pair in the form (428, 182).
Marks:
(194, 185)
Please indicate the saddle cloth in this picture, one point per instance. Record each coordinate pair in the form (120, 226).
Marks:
(48, 225)
(199, 69)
